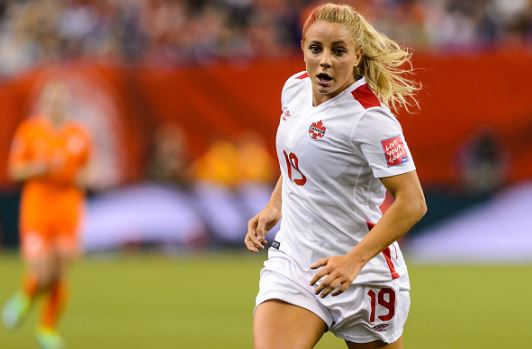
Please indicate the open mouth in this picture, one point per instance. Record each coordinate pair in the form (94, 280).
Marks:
(324, 78)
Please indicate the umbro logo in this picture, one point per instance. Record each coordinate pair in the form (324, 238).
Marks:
(286, 115)
(380, 327)
(317, 130)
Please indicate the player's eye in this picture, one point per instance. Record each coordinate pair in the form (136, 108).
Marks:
(339, 51)
(315, 49)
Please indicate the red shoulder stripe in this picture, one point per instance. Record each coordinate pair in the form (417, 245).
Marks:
(365, 96)
(302, 76)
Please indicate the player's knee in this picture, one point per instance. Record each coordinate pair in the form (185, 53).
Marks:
(43, 280)
(47, 279)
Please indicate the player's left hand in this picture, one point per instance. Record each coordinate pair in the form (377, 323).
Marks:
(335, 274)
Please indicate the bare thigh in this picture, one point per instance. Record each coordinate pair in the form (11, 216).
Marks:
(398, 344)
(279, 325)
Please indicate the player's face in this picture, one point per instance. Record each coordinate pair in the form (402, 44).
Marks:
(54, 103)
(331, 56)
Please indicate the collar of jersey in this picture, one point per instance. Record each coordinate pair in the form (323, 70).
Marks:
(348, 89)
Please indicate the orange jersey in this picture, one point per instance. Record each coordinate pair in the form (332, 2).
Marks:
(51, 203)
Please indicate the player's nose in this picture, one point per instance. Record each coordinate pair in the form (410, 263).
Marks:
(325, 60)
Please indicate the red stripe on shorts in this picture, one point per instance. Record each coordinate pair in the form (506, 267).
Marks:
(388, 257)
(387, 253)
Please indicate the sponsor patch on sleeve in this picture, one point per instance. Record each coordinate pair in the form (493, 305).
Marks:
(394, 151)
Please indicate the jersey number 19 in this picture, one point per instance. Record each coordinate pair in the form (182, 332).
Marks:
(292, 163)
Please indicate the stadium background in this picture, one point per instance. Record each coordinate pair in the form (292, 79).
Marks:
(182, 98)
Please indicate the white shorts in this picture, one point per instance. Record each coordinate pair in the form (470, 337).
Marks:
(363, 313)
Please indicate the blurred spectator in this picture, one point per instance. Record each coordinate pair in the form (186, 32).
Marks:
(218, 165)
(216, 174)
(176, 32)
(482, 162)
(219, 190)
(518, 20)
(256, 177)
(254, 161)
(159, 212)
(168, 160)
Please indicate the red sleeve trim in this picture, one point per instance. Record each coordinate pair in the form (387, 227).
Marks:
(365, 96)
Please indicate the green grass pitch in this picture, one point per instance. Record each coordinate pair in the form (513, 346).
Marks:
(151, 301)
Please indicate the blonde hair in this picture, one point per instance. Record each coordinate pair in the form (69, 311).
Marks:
(384, 63)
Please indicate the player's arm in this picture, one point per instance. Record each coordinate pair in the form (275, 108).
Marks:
(407, 209)
(21, 167)
(265, 220)
(338, 272)
(24, 171)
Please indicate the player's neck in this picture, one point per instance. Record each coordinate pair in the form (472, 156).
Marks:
(56, 121)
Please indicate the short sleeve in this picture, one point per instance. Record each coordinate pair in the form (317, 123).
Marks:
(290, 88)
(378, 136)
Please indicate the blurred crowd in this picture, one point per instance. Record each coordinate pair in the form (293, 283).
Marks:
(176, 32)
(184, 202)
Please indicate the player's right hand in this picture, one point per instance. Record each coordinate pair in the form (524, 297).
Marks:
(258, 226)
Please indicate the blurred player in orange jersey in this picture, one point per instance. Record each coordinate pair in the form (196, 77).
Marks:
(48, 154)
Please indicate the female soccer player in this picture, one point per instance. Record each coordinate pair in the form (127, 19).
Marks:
(48, 154)
(336, 264)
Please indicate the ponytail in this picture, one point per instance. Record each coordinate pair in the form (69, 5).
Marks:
(384, 64)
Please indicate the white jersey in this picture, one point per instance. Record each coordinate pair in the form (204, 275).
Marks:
(331, 158)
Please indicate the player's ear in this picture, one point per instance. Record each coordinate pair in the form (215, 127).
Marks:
(358, 57)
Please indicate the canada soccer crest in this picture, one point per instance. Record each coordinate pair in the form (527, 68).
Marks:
(317, 130)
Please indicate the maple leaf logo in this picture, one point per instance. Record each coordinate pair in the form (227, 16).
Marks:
(317, 130)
